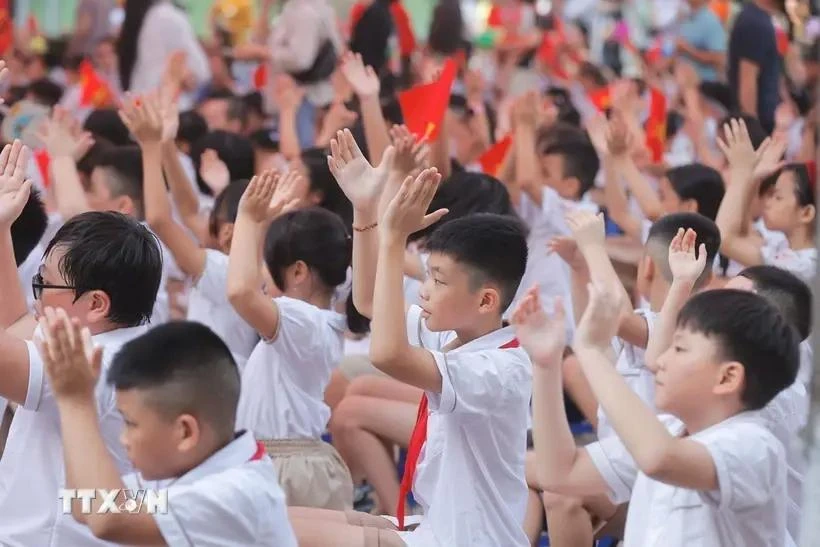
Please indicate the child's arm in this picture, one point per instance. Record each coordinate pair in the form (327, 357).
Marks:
(363, 185)
(266, 197)
(14, 193)
(560, 465)
(681, 462)
(748, 167)
(73, 368)
(567, 249)
(289, 97)
(390, 350)
(365, 83)
(686, 269)
(144, 120)
(527, 176)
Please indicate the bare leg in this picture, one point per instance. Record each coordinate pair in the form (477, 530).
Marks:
(336, 388)
(321, 527)
(359, 426)
(384, 388)
(534, 517)
(568, 523)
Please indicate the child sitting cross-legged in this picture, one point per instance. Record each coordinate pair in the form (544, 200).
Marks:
(709, 474)
(177, 388)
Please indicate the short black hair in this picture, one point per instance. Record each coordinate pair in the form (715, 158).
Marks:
(700, 183)
(192, 127)
(757, 134)
(183, 367)
(28, 229)
(113, 253)
(580, 160)
(45, 92)
(749, 330)
(106, 123)
(226, 205)
(567, 113)
(91, 159)
(663, 231)
(236, 107)
(492, 247)
(254, 103)
(466, 193)
(123, 173)
(786, 292)
(322, 182)
(803, 186)
(235, 150)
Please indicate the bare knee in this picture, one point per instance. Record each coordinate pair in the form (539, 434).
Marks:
(365, 385)
(556, 503)
(347, 416)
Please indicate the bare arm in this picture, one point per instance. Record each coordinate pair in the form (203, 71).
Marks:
(646, 196)
(182, 192)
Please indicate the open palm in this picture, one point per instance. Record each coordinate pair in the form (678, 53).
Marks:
(542, 335)
(360, 181)
(14, 188)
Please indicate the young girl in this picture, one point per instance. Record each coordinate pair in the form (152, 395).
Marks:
(307, 253)
(788, 205)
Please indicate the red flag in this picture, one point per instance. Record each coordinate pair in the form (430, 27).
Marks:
(94, 90)
(43, 161)
(494, 157)
(601, 98)
(6, 28)
(782, 41)
(404, 29)
(424, 106)
(260, 77)
(656, 125)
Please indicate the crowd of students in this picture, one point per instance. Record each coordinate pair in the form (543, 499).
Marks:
(541, 314)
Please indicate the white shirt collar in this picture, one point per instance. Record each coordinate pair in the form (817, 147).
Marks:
(492, 340)
(235, 453)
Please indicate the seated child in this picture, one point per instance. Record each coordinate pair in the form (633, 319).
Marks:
(307, 253)
(710, 474)
(466, 457)
(788, 207)
(177, 388)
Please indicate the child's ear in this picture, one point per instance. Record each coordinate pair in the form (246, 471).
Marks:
(225, 235)
(490, 300)
(126, 206)
(188, 432)
(299, 270)
(646, 269)
(807, 214)
(731, 377)
(315, 197)
(99, 306)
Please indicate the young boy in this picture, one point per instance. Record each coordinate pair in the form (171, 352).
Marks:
(466, 457)
(104, 269)
(714, 475)
(220, 486)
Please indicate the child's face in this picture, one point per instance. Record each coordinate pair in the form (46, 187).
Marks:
(781, 210)
(155, 445)
(552, 173)
(691, 372)
(671, 201)
(448, 300)
(100, 198)
(50, 274)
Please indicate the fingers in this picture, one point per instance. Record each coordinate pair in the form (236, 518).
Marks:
(14, 155)
(4, 158)
(352, 146)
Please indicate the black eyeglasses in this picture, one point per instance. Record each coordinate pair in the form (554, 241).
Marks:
(37, 286)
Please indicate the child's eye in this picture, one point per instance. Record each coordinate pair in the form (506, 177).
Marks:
(437, 282)
(678, 349)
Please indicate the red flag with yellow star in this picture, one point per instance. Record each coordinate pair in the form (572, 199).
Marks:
(424, 106)
(492, 160)
(94, 90)
(601, 98)
(6, 28)
(656, 125)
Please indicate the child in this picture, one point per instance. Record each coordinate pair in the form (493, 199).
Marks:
(26, 234)
(307, 253)
(716, 477)
(179, 436)
(788, 208)
(208, 301)
(466, 458)
(104, 269)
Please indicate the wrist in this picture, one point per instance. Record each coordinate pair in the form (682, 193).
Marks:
(682, 285)
(365, 217)
(390, 239)
(77, 404)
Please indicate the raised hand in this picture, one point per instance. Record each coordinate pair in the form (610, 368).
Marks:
(407, 212)
(360, 181)
(769, 158)
(567, 249)
(143, 118)
(71, 361)
(601, 318)
(542, 335)
(169, 115)
(736, 145)
(62, 136)
(339, 117)
(684, 264)
(14, 188)
(288, 93)
(598, 130)
(213, 171)
(412, 153)
(363, 79)
(286, 193)
(256, 203)
(587, 228)
(619, 140)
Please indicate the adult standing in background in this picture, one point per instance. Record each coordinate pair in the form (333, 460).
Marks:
(151, 32)
(755, 65)
(305, 44)
(93, 25)
(702, 40)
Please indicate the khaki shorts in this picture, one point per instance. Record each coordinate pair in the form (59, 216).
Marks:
(311, 473)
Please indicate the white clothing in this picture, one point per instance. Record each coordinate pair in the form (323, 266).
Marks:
(208, 304)
(802, 262)
(229, 499)
(748, 508)
(470, 474)
(32, 468)
(284, 381)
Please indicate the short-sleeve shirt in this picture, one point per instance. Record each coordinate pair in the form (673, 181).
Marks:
(802, 262)
(470, 475)
(748, 508)
(284, 380)
(32, 469)
(704, 31)
(229, 499)
(753, 39)
(208, 304)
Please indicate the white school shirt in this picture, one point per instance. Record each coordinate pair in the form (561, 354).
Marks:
(802, 262)
(229, 499)
(748, 509)
(32, 468)
(631, 365)
(470, 474)
(548, 269)
(208, 304)
(284, 381)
